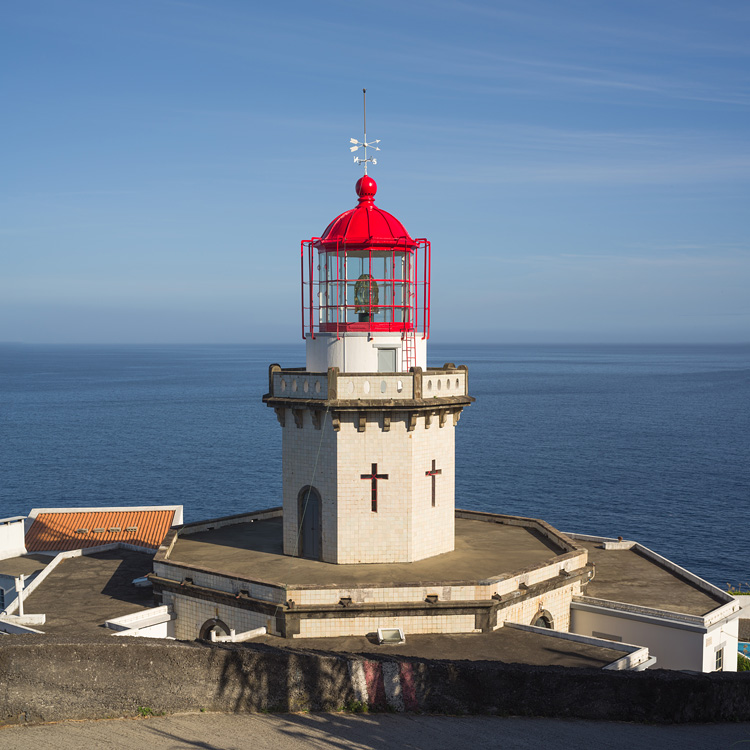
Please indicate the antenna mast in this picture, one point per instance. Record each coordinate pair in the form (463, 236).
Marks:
(364, 144)
(364, 115)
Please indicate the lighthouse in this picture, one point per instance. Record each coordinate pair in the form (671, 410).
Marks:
(368, 445)
(368, 542)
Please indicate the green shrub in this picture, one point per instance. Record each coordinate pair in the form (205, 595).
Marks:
(743, 663)
(356, 707)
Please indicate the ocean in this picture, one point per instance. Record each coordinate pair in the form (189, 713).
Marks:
(646, 442)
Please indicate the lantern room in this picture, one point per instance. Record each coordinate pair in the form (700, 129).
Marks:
(365, 292)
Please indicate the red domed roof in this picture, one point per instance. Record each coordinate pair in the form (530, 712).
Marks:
(367, 224)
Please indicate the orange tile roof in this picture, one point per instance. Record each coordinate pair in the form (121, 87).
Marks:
(64, 531)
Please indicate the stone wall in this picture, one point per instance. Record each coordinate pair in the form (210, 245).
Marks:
(48, 679)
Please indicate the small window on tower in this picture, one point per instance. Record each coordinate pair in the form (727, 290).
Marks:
(386, 360)
(719, 660)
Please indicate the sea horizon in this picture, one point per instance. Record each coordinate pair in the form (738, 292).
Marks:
(643, 441)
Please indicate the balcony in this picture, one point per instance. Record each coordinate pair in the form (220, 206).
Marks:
(448, 382)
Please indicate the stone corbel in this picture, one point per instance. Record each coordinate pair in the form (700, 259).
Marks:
(386, 422)
(411, 421)
(361, 421)
(427, 420)
(316, 418)
(441, 417)
(456, 416)
(280, 415)
(299, 417)
(336, 420)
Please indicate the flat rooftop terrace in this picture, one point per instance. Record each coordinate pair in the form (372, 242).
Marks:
(628, 576)
(23, 565)
(82, 592)
(254, 550)
(505, 644)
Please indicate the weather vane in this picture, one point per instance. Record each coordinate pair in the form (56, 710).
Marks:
(364, 144)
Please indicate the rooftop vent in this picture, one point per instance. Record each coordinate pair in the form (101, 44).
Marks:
(98, 531)
(392, 636)
(82, 531)
(114, 529)
(132, 528)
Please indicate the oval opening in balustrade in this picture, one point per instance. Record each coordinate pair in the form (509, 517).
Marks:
(294, 385)
(383, 386)
(400, 386)
(317, 386)
(366, 386)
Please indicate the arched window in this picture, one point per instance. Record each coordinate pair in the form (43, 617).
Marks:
(543, 619)
(310, 531)
(215, 625)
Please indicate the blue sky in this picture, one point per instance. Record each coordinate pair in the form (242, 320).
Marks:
(581, 168)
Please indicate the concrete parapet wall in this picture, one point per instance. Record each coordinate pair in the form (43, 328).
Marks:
(217, 523)
(699, 583)
(47, 680)
(341, 386)
(12, 537)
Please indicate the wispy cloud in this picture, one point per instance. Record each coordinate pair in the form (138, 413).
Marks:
(490, 153)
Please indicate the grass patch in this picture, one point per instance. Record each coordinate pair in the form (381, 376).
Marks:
(144, 711)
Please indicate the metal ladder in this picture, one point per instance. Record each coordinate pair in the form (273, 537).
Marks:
(408, 350)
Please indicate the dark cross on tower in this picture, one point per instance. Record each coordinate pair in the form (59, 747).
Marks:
(374, 476)
(433, 473)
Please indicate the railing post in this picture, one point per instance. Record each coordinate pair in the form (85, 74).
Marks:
(271, 370)
(466, 378)
(417, 375)
(333, 388)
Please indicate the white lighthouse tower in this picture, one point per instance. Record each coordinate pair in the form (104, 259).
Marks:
(368, 431)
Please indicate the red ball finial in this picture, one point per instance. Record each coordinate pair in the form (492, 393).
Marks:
(366, 188)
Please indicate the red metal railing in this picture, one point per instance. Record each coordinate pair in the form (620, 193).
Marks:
(322, 313)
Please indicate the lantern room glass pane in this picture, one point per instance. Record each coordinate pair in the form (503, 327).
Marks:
(401, 265)
(378, 266)
(361, 286)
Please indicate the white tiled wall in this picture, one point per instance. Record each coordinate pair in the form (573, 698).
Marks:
(224, 583)
(406, 527)
(309, 458)
(192, 613)
(556, 602)
(417, 593)
(363, 625)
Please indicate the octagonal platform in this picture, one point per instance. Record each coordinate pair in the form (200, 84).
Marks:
(232, 571)
(254, 550)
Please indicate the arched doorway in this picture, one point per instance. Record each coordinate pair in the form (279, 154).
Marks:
(310, 530)
(215, 625)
